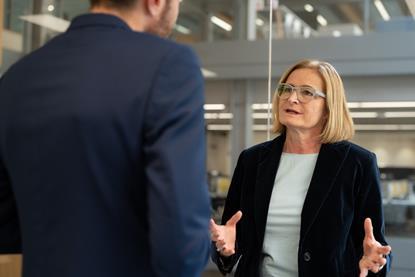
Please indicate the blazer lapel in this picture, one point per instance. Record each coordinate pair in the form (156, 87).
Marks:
(267, 168)
(329, 163)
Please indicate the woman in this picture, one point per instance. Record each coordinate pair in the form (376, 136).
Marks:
(305, 201)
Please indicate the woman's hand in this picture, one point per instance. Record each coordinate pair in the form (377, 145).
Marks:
(374, 254)
(224, 236)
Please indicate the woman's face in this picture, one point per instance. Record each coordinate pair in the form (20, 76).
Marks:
(304, 117)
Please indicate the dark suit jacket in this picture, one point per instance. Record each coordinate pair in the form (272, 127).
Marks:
(344, 190)
(102, 156)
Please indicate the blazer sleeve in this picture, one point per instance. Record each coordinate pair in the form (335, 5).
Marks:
(369, 204)
(232, 205)
(10, 241)
(174, 151)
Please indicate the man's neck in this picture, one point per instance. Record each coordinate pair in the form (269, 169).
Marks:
(131, 17)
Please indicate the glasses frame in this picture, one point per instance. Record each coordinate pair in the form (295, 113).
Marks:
(316, 93)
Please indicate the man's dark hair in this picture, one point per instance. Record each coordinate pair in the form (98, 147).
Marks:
(114, 3)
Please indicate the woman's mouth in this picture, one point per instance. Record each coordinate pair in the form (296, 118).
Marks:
(291, 111)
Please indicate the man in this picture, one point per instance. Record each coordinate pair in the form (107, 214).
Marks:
(102, 152)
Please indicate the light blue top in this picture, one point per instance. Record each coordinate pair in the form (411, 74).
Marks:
(282, 233)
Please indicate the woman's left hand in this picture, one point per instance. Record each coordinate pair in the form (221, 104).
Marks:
(374, 253)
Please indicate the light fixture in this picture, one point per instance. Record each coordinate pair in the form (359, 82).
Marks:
(261, 106)
(321, 20)
(51, 8)
(385, 127)
(47, 21)
(182, 29)
(364, 114)
(221, 23)
(213, 107)
(219, 127)
(308, 8)
(261, 115)
(260, 128)
(396, 104)
(218, 115)
(208, 73)
(259, 22)
(399, 114)
(382, 10)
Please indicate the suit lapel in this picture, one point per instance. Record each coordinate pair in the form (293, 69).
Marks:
(329, 163)
(267, 169)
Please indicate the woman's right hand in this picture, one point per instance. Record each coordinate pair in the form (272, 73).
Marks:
(224, 236)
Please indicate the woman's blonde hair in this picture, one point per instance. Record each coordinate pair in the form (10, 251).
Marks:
(339, 124)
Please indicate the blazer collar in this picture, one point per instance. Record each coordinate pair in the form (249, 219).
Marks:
(329, 162)
(98, 19)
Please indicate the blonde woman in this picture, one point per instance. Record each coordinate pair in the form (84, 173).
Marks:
(307, 203)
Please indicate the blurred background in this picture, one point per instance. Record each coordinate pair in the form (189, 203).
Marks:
(370, 42)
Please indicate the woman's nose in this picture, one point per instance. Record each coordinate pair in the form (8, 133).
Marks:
(293, 97)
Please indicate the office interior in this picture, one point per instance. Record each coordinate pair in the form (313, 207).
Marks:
(370, 42)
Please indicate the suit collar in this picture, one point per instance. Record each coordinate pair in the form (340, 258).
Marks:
(98, 19)
(329, 162)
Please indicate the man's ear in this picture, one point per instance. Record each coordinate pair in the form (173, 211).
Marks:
(154, 7)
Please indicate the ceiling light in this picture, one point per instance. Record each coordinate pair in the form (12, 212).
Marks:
(221, 23)
(51, 8)
(261, 106)
(218, 116)
(406, 104)
(364, 114)
(212, 107)
(260, 128)
(399, 114)
(259, 22)
(207, 73)
(321, 20)
(385, 127)
(48, 21)
(382, 10)
(219, 127)
(261, 115)
(182, 29)
(308, 8)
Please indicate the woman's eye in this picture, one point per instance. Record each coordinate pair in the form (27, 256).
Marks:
(308, 92)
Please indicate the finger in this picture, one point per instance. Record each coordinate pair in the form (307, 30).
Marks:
(384, 250)
(220, 244)
(234, 219)
(227, 252)
(369, 229)
(376, 259)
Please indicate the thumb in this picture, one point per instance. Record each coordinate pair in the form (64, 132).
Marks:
(369, 229)
(363, 272)
(234, 219)
(212, 224)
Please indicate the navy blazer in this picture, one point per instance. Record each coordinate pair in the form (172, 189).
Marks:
(344, 190)
(102, 156)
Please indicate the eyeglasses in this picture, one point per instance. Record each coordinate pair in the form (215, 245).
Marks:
(304, 93)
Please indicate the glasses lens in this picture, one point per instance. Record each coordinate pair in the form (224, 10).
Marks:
(306, 94)
(284, 91)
